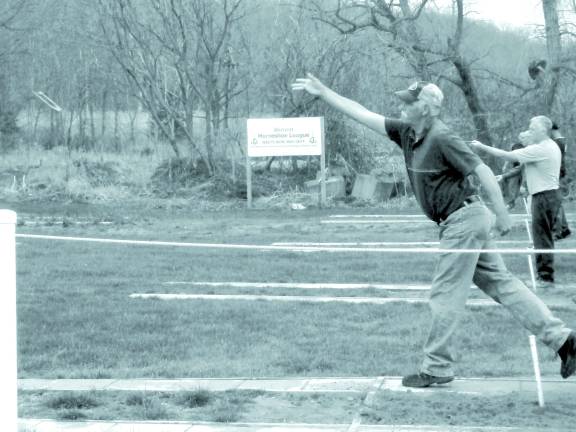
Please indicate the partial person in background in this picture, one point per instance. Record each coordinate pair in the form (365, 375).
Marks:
(561, 228)
(541, 160)
(512, 177)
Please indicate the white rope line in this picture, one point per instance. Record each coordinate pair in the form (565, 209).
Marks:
(308, 286)
(309, 299)
(417, 216)
(375, 221)
(294, 249)
(391, 243)
(402, 216)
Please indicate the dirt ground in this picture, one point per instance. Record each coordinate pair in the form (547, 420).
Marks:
(387, 408)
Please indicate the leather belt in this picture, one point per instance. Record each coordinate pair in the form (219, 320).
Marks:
(471, 199)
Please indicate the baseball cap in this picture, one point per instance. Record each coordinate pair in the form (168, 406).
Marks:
(424, 91)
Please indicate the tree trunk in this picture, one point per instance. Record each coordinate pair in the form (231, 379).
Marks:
(479, 117)
(117, 144)
(104, 107)
(554, 50)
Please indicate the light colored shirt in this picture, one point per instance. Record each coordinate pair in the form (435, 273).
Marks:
(541, 163)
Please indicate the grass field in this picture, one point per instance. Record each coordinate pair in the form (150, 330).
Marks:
(76, 318)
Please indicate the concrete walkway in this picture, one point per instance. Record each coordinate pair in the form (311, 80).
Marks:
(480, 386)
(362, 385)
(39, 425)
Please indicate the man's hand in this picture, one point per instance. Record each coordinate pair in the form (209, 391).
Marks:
(475, 145)
(499, 178)
(311, 84)
(503, 223)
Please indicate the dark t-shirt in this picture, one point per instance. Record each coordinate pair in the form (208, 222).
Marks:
(438, 167)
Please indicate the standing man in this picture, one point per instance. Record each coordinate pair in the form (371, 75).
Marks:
(541, 160)
(561, 228)
(439, 165)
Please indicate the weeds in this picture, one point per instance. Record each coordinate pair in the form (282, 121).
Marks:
(195, 399)
(72, 401)
(154, 409)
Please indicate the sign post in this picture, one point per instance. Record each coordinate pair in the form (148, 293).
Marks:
(301, 136)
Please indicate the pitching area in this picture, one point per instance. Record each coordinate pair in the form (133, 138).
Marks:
(78, 318)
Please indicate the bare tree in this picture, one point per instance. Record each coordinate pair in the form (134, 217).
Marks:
(13, 25)
(301, 50)
(397, 23)
(179, 55)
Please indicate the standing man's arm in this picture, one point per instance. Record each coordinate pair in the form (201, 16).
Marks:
(353, 109)
(507, 155)
(490, 185)
(511, 173)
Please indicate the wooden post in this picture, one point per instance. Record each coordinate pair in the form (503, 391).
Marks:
(248, 179)
(9, 370)
(322, 166)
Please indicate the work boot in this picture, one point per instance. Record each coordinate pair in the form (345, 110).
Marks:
(567, 354)
(562, 235)
(545, 281)
(424, 380)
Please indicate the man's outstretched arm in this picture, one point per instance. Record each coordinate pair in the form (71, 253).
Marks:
(353, 109)
(509, 156)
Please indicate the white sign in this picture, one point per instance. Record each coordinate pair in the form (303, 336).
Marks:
(300, 136)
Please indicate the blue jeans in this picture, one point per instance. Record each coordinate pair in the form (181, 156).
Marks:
(469, 228)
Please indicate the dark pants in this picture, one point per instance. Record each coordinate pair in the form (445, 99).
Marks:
(545, 207)
(561, 228)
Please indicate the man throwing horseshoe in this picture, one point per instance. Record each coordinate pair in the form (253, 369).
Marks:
(440, 166)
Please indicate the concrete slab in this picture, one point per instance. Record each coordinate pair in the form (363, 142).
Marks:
(149, 427)
(65, 384)
(275, 385)
(481, 386)
(175, 385)
(369, 187)
(139, 384)
(307, 384)
(214, 384)
(27, 425)
(268, 427)
(31, 425)
(335, 187)
(357, 385)
(263, 427)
